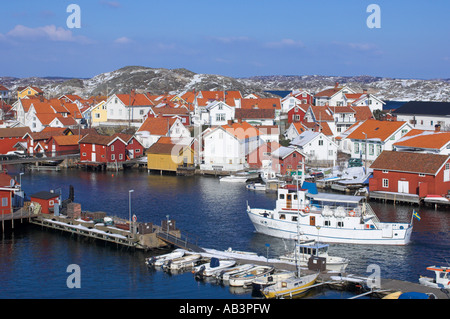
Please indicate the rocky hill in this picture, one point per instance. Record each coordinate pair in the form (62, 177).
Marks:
(160, 80)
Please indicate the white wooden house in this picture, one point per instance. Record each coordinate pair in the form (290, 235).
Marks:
(316, 146)
(226, 147)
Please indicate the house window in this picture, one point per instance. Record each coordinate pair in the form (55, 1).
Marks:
(220, 117)
(378, 150)
(356, 148)
(113, 157)
(84, 154)
(385, 171)
(385, 183)
(120, 156)
(371, 149)
(421, 175)
(4, 201)
(138, 150)
(112, 148)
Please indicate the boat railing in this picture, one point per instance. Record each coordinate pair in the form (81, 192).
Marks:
(368, 211)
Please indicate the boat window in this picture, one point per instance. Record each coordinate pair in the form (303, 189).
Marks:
(340, 224)
(282, 216)
(295, 196)
(289, 197)
(327, 223)
(281, 196)
(294, 218)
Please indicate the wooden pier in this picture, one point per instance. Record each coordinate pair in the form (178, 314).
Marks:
(395, 197)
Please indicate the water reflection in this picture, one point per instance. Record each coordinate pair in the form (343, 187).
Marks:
(202, 206)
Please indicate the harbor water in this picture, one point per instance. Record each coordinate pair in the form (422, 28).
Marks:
(34, 262)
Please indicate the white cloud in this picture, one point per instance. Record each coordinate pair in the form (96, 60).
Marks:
(284, 43)
(50, 32)
(123, 40)
(359, 46)
(228, 40)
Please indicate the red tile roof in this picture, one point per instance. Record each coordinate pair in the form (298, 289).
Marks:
(137, 99)
(157, 125)
(265, 103)
(242, 130)
(411, 162)
(375, 129)
(424, 139)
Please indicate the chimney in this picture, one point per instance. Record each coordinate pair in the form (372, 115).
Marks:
(365, 91)
(437, 128)
(336, 85)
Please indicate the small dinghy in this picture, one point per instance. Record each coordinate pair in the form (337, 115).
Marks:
(225, 274)
(214, 266)
(158, 261)
(187, 261)
(246, 278)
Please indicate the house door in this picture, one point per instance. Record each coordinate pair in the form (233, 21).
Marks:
(93, 157)
(288, 201)
(403, 187)
(53, 149)
(312, 220)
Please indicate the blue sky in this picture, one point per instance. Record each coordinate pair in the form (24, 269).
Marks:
(234, 38)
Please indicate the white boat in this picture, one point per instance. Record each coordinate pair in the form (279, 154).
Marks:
(214, 266)
(227, 273)
(441, 280)
(244, 279)
(158, 261)
(303, 251)
(290, 287)
(268, 175)
(256, 186)
(234, 179)
(187, 261)
(325, 217)
(261, 282)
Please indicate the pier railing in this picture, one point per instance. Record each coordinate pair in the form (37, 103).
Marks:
(184, 241)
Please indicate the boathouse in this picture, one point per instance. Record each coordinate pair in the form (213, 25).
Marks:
(102, 149)
(286, 160)
(47, 200)
(167, 154)
(411, 173)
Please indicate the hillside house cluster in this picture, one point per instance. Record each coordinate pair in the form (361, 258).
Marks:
(222, 130)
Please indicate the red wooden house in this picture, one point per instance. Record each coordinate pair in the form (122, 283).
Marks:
(7, 189)
(411, 173)
(10, 136)
(262, 155)
(286, 160)
(102, 149)
(63, 145)
(47, 200)
(134, 148)
(297, 113)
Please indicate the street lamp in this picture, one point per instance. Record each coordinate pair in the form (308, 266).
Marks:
(129, 206)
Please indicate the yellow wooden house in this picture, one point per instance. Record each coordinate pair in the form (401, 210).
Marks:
(98, 113)
(24, 91)
(167, 154)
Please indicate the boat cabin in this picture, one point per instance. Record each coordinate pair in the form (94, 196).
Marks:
(290, 197)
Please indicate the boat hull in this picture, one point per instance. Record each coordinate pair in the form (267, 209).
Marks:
(287, 229)
(290, 288)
